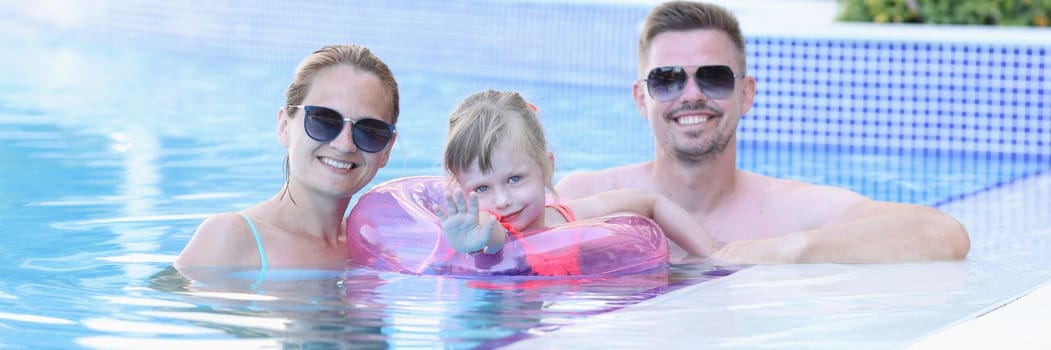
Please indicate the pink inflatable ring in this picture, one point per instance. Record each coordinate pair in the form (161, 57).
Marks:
(393, 228)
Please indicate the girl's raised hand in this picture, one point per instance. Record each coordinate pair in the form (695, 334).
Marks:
(463, 226)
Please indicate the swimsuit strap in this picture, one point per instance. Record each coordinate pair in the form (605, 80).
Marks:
(565, 211)
(258, 242)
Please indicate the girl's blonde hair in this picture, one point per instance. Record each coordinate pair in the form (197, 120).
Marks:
(485, 118)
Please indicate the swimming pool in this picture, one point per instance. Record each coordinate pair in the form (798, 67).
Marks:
(122, 125)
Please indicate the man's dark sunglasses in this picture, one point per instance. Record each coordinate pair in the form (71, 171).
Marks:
(324, 124)
(666, 83)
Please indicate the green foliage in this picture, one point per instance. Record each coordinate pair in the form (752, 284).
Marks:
(977, 12)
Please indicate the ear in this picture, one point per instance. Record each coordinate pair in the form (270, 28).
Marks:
(747, 94)
(284, 126)
(551, 174)
(638, 93)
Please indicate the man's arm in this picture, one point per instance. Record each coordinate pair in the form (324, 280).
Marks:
(869, 232)
(678, 225)
(582, 184)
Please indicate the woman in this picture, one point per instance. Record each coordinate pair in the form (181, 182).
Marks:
(337, 124)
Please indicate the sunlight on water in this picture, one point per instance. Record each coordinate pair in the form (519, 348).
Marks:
(114, 342)
(34, 318)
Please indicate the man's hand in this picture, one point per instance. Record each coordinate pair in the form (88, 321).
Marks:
(779, 250)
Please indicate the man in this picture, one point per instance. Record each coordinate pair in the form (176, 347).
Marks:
(693, 91)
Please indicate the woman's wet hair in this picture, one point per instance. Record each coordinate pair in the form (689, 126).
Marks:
(357, 57)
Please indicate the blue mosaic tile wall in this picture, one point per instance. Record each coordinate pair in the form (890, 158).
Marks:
(886, 94)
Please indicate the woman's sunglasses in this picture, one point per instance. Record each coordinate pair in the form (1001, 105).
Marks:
(666, 83)
(324, 124)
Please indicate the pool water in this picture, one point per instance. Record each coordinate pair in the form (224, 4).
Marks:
(114, 153)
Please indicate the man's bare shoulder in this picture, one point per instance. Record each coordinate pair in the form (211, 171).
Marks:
(585, 183)
(814, 205)
(796, 191)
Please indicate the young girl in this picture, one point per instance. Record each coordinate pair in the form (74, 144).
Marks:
(497, 153)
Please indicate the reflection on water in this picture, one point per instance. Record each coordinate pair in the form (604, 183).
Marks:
(366, 308)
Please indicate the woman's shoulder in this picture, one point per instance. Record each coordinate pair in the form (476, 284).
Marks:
(223, 223)
(219, 240)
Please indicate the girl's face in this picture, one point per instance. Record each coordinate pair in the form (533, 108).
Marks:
(335, 168)
(513, 189)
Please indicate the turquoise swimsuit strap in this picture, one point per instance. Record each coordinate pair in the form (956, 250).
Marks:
(258, 242)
